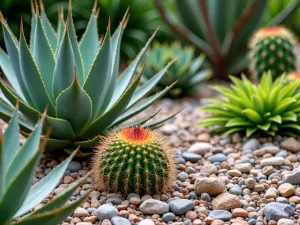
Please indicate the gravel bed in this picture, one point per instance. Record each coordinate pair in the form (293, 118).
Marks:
(220, 179)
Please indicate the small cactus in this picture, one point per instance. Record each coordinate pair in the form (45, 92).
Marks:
(294, 76)
(134, 160)
(272, 48)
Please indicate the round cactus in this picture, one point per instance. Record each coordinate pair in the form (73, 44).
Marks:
(294, 76)
(272, 48)
(134, 160)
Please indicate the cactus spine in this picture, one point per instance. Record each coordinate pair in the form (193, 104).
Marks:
(134, 160)
(272, 48)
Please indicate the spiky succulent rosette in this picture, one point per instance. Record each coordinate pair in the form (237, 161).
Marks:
(272, 48)
(294, 76)
(268, 108)
(83, 106)
(134, 160)
(187, 69)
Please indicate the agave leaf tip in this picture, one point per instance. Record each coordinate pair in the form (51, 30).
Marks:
(21, 27)
(36, 9)
(108, 25)
(94, 10)
(70, 5)
(97, 13)
(42, 6)
(32, 7)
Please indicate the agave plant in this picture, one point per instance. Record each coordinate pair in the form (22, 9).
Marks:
(17, 171)
(83, 103)
(221, 30)
(268, 108)
(186, 69)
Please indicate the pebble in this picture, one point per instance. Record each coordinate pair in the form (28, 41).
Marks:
(291, 144)
(114, 201)
(286, 190)
(273, 161)
(235, 190)
(182, 176)
(192, 157)
(292, 178)
(220, 215)
(271, 193)
(153, 206)
(168, 217)
(239, 212)
(168, 128)
(212, 186)
(117, 220)
(80, 212)
(74, 166)
(275, 211)
(271, 149)
(250, 183)
(84, 223)
(217, 158)
(200, 148)
(106, 211)
(226, 201)
(285, 222)
(181, 206)
(209, 169)
(147, 222)
(243, 167)
(251, 144)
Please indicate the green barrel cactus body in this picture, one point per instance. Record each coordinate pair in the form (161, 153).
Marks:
(134, 160)
(272, 48)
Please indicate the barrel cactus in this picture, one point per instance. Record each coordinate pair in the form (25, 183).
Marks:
(272, 48)
(134, 160)
(78, 81)
(186, 69)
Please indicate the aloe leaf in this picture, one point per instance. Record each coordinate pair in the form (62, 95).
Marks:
(289, 117)
(9, 72)
(34, 81)
(148, 85)
(285, 103)
(140, 106)
(29, 112)
(79, 110)
(89, 43)
(128, 73)
(156, 123)
(60, 128)
(97, 81)
(253, 115)
(43, 56)
(76, 51)
(14, 195)
(7, 112)
(265, 126)
(10, 144)
(49, 31)
(234, 130)
(65, 66)
(58, 143)
(238, 122)
(25, 153)
(276, 119)
(107, 118)
(115, 46)
(54, 216)
(13, 53)
(250, 131)
(61, 198)
(40, 190)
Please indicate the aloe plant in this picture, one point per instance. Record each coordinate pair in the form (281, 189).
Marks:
(17, 169)
(221, 29)
(77, 81)
(269, 108)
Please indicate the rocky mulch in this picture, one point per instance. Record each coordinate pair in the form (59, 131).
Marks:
(220, 180)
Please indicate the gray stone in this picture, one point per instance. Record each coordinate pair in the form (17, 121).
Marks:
(271, 149)
(74, 166)
(293, 178)
(168, 217)
(114, 201)
(220, 215)
(117, 220)
(251, 144)
(217, 158)
(192, 157)
(182, 176)
(273, 161)
(243, 167)
(181, 206)
(200, 148)
(106, 211)
(285, 222)
(153, 206)
(276, 211)
(235, 190)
